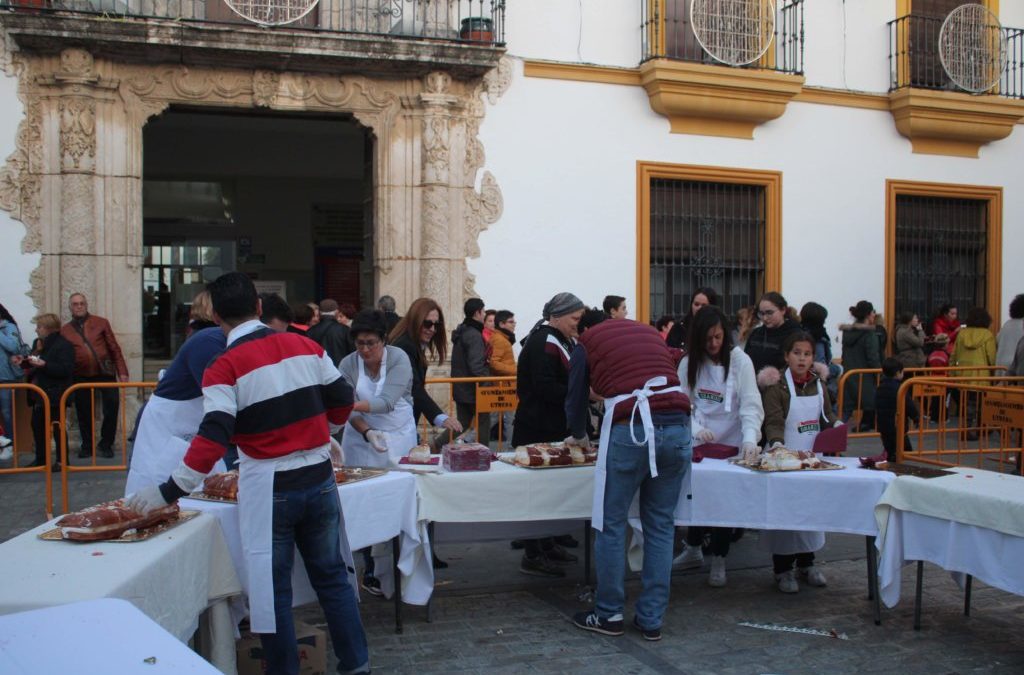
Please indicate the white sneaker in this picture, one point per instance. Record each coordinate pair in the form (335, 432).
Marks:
(787, 582)
(717, 576)
(691, 556)
(4, 441)
(813, 576)
(6, 453)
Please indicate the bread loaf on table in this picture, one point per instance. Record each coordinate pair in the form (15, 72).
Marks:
(109, 521)
(550, 454)
(223, 485)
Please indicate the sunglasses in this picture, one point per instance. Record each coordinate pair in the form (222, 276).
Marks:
(428, 324)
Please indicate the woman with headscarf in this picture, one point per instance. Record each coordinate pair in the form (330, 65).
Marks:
(542, 385)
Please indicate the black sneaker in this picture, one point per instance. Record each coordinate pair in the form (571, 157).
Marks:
(106, 451)
(557, 554)
(517, 544)
(651, 635)
(540, 567)
(439, 564)
(372, 586)
(84, 453)
(592, 622)
(567, 540)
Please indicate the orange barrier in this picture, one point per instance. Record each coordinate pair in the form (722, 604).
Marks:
(908, 373)
(988, 426)
(495, 394)
(124, 427)
(15, 434)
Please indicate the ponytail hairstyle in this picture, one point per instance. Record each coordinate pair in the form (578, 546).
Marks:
(862, 310)
(707, 318)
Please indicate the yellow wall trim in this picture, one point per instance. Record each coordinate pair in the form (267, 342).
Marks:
(581, 72)
(843, 98)
(952, 123)
(993, 257)
(646, 171)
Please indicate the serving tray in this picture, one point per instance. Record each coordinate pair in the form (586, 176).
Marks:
(509, 458)
(130, 536)
(825, 466)
(354, 474)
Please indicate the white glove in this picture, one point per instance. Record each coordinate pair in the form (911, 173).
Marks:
(337, 454)
(750, 451)
(838, 423)
(187, 479)
(705, 435)
(146, 500)
(578, 442)
(776, 444)
(377, 440)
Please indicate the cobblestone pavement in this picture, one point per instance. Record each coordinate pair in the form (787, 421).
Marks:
(487, 617)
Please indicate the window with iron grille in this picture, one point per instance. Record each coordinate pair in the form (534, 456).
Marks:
(706, 234)
(940, 252)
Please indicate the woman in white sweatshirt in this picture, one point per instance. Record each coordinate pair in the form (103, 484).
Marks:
(719, 380)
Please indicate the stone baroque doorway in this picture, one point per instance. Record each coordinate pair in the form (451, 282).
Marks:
(75, 177)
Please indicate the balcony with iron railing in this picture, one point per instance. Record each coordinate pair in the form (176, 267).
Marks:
(721, 69)
(951, 93)
(407, 36)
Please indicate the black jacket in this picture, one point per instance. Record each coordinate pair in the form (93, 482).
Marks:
(469, 359)
(333, 337)
(422, 403)
(885, 412)
(54, 377)
(542, 385)
(764, 346)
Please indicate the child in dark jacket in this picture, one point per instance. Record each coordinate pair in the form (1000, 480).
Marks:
(885, 407)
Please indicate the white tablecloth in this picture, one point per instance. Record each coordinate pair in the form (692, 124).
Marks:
(506, 493)
(92, 637)
(172, 578)
(720, 494)
(376, 511)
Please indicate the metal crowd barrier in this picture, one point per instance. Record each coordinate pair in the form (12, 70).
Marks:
(18, 437)
(124, 426)
(494, 394)
(987, 427)
(908, 373)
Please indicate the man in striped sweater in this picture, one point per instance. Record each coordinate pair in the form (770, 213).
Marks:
(277, 396)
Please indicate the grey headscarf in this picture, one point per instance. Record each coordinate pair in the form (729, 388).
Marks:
(560, 305)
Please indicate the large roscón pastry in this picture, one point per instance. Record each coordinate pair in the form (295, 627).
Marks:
(222, 485)
(784, 459)
(109, 521)
(550, 454)
(420, 455)
(466, 457)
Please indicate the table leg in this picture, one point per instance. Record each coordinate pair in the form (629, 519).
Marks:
(917, 595)
(967, 595)
(874, 593)
(395, 550)
(586, 552)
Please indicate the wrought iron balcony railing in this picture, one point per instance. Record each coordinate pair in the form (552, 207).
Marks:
(667, 32)
(914, 59)
(478, 22)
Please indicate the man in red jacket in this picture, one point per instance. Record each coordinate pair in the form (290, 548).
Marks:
(98, 358)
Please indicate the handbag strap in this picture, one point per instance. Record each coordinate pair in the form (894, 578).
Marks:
(88, 345)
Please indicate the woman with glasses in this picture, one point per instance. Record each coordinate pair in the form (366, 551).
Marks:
(421, 335)
(764, 346)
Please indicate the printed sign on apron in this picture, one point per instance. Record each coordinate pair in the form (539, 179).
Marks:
(399, 426)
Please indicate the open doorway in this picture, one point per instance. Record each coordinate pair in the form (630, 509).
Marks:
(285, 198)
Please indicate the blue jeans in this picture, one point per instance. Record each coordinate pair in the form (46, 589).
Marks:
(628, 471)
(6, 412)
(310, 519)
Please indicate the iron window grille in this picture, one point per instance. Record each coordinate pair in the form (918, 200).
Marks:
(705, 234)
(667, 33)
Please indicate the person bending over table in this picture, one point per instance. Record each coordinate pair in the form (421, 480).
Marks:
(542, 379)
(278, 397)
(381, 429)
(795, 410)
(718, 378)
(645, 446)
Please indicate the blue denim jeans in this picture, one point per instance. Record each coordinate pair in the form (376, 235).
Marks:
(6, 412)
(628, 471)
(309, 518)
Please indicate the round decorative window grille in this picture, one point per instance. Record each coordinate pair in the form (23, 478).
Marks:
(271, 12)
(972, 48)
(735, 32)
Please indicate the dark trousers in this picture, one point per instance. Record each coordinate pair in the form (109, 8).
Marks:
(465, 413)
(784, 563)
(39, 430)
(721, 538)
(110, 399)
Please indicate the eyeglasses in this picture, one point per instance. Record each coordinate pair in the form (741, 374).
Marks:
(367, 344)
(428, 324)
(766, 312)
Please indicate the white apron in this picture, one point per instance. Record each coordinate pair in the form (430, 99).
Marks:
(256, 520)
(641, 405)
(165, 431)
(714, 402)
(802, 426)
(399, 426)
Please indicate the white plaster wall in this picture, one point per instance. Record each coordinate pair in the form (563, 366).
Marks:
(565, 153)
(15, 266)
(604, 32)
(846, 43)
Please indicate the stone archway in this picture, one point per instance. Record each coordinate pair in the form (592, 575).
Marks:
(75, 178)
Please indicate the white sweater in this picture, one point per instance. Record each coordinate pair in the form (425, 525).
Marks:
(743, 387)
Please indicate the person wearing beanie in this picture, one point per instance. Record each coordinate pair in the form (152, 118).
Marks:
(469, 359)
